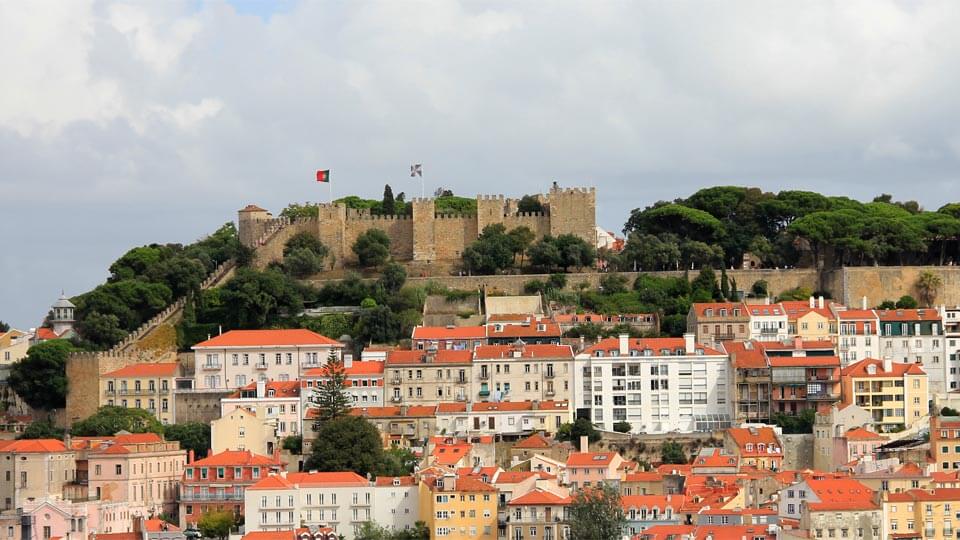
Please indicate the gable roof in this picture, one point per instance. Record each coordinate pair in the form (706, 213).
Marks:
(909, 315)
(416, 357)
(233, 458)
(268, 338)
(590, 459)
(446, 332)
(862, 434)
(167, 369)
(840, 493)
(898, 369)
(539, 496)
(533, 441)
(33, 446)
(756, 436)
(745, 355)
(281, 389)
(484, 352)
(700, 309)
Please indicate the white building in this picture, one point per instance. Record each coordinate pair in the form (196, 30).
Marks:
(521, 372)
(859, 334)
(658, 385)
(276, 401)
(505, 418)
(916, 336)
(951, 327)
(396, 502)
(768, 322)
(286, 501)
(364, 382)
(238, 357)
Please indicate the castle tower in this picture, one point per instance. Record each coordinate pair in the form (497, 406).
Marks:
(424, 217)
(331, 229)
(61, 315)
(252, 222)
(490, 210)
(573, 211)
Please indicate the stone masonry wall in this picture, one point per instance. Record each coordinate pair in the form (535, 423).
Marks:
(879, 283)
(196, 406)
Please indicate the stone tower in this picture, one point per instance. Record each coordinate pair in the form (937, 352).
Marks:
(490, 210)
(573, 211)
(424, 218)
(61, 315)
(331, 229)
(253, 221)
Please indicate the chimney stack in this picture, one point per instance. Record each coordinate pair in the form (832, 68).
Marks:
(820, 302)
(624, 344)
(190, 457)
(863, 303)
(584, 443)
(813, 302)
(689, 347)
(261, 389)
(887, 363)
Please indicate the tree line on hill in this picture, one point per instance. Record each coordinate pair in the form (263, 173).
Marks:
(718, 225)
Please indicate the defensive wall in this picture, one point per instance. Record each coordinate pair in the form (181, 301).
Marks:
(425, 236)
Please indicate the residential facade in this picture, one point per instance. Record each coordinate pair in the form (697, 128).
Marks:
(427, 377)
(916, 336)
(768, 322)
(508, 419)
(141, 470)
(521, 372)
(142, 386)
(713, 322)
(364, 382)
(244, 429)
(859, 334)
(35, 469)
(277, 401)
(219, 482)
(458, 507)
(750, 393)
(895, 394)
(538, 514)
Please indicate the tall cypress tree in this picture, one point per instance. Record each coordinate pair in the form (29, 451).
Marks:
(724, 284)
(389, 206)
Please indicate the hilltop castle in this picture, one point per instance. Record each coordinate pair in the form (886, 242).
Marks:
(426, 236)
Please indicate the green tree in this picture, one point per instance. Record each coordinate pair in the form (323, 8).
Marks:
(305, 240)
(102, 331)
(40, 378)
(216, 524)
(346, 443)
(109, 420)
(794, 425)
(192, 436)
(296, 210)
(947, 411)
(796, 293)
(42, 429)
(544, 254)
(392, 278)
(928, 286)
(675, 218)
(696, 254)
(491, 252)
(372, 248)
(556, 282)
(672, 452)
(520, 240)
(724, 284)
(650, 252)
(622, 427)
(573, 432)
(255, 299)
(887, 304)
(907, 302)
(293, 444)
(706, 283)
(330, 398)
(760, 288)
(613, 283)
(389, 205)
(4, 327)
(302, 263)
(333, 325)
(530, 204)
(378, 325)
(596, 513)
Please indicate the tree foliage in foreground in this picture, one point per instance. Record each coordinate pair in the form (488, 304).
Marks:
(596, 513)
(40, 378)
(109, 420)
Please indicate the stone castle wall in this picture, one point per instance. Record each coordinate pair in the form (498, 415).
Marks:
(879, 283)
(425, 236)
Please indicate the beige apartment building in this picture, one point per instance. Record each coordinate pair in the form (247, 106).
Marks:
(894, 394)
(244, 429)
(34, 469)
(141, 469)
(713, 322)
(427, 377)
(521, 372)
(142, 386)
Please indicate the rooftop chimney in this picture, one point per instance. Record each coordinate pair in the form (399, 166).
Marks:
(624, 344)
(820, 302)
(798, 343)
(689, 347)
(863, 303)
(887, 364)
(584, 443)
(813, 302)
(261, 389)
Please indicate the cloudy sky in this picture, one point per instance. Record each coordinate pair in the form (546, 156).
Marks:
(123, 124)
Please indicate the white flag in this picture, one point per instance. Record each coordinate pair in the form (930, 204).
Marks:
(416, 170)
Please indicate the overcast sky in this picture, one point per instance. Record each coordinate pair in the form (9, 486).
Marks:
(123, 124)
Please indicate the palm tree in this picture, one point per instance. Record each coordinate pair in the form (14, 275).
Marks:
(928, 284)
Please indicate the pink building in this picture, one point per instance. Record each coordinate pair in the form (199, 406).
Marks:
(591, 468)
(218, 482)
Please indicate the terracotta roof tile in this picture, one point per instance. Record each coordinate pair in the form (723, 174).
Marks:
(653, 344)
(484, 352)
(34, 446)
(144, 370)
(444, 356)
(234, 458)
(590, 459)
(538, 496)
(268, 338)
(533, 441)
(445, 333)
(859, 370)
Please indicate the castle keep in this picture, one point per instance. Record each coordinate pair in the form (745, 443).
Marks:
(426, 236)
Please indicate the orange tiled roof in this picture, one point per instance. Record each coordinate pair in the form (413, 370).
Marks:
(644, 476)
(640, 344)
(700, 309)
(443, 356)
(909, 315)
(512, 477)
(650, 501)
(394, 411)
(590, 459)
(233, 458)
(804, 361)
(550, 329)
(745, 355)
(938, 494)
(158, 525)
(450, 454)
(168, 369)
(44, 334)
(840, 493)
(484, 352)
(444, 332)
(898, 369)
(34, 446)
(791, 345)
(717, 458)
(755, 436)
(281, 389)
(861, 434)
(533, 441)
(268, 338)
(386, 481)
(857, 314)
(538, 496)
(799, 308)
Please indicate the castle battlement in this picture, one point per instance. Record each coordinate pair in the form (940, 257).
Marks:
(425, 236)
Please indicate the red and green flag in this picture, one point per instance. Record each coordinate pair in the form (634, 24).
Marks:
(323, 176)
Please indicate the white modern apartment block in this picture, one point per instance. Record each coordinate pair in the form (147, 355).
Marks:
(951, 328)
(396, 502)
(287, 501)
(658, 385)
(768, 322)
(238, 357)
(858, 334)
(916, 336)
(506, 418)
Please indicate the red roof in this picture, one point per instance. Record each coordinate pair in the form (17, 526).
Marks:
(745, 355)
(534, 441)
(861, 434)
(840, 493)
(765, 436)
(450, 454)
(640, 344)
(716, 458)
(590, 459)
(700, 309)
(443, 356)
(45, 334)
(512, 477)
(804, 361)
(386, 481)
(159, 525)
(168, 369)
(395, 411)
(446, 333)
(484, 352)
(464, 483)
(909, 315)
(539, 497)
(550, 329)
(799, 308)
(938, 494)
(651, 501)
(644, 476)
(33, 446)
(898, 369)
(281, 389)
(234, 458)
(849, 314)
(791, 345)
(268, 338)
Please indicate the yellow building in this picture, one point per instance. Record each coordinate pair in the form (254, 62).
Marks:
(142, 386)
(458, 507)
(894, 394)
(896, 480)
(930, 514)
(13, 346)
(35, 469)
(244, 429)
(811, 320)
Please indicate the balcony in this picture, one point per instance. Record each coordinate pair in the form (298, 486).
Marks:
(722, 337)
(396, 399)
(110, 392)
(260, 366)
(395, 380)
(822, 396)
(164, 391)
(187, 496)
(769, 331)
(484, 376)
(549, 375)
(461, 397)
(484, 392)
(211, 366)
(550, 393)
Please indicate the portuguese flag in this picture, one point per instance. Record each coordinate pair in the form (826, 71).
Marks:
(323, 176)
